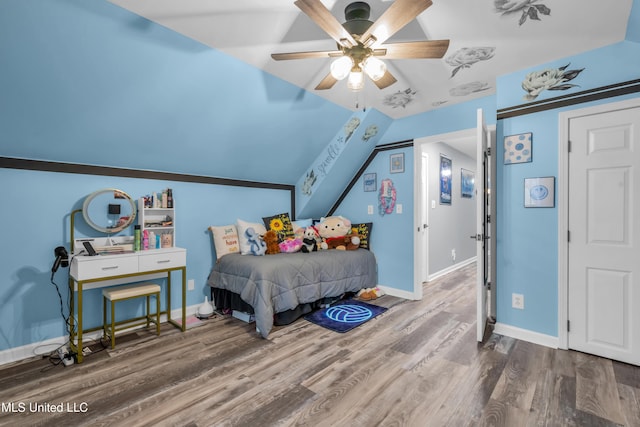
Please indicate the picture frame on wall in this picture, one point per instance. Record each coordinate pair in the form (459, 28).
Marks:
(539, 192)
(370, 182)
(396, 163)
(518, 148)
(467, 183)
(445, 180)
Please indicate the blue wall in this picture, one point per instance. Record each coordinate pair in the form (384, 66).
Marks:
(527, 238)
(391, 235)
(85, 81)
(36, 218)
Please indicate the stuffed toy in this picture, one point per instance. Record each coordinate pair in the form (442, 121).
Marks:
(257, 245)
(367, 294)
(271, 239)
(336, 233)
(310, 240)
(290, 246)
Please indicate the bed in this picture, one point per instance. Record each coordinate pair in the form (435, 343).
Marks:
(288, 283)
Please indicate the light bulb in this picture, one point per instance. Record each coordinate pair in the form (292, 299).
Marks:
(341, 67)
(374, 68)
(356, 79)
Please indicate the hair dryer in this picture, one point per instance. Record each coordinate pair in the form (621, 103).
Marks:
(62, 258)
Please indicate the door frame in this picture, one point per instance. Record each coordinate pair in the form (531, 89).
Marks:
(564, 119)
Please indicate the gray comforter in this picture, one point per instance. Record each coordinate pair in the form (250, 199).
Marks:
(276, 283)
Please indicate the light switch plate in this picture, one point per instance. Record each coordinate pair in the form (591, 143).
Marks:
(399, 208)
(370, 209)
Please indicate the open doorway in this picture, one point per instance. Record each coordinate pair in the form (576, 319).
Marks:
(446, 231)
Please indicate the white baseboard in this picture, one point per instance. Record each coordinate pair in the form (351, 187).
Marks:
(398, 292)
(526, 335)
(452, 268)
(44, 348)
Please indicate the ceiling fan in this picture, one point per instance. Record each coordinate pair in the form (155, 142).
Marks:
(360, 42)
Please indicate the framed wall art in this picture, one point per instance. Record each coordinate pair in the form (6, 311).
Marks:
(518, 148)
(467, 183)
(539, 192)
(445, 180)
(397, 163)
(370, 182)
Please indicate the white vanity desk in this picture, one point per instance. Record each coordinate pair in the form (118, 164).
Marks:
(88, 272)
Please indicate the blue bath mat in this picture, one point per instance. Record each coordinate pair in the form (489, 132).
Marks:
(345, 315)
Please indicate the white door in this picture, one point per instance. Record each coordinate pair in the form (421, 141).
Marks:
(424, 225)
(481, 223)
(421, 241)
(604, 234)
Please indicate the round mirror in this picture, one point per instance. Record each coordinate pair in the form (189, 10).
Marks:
(109, 210)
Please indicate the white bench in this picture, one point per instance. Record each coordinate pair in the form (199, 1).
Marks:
(126, 292)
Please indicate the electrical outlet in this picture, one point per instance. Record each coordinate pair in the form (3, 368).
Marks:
(517, 301)
(191, 284)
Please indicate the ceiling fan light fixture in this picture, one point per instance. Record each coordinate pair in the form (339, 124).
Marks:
(356, 79)
(341, 67)
(374, 68)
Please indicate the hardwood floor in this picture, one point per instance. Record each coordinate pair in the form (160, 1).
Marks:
(418, 364)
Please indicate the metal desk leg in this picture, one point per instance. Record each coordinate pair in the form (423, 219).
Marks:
(169, 296)
(184, 299)
(79, 347)
(72, 309)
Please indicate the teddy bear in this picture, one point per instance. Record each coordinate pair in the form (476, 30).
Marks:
(257, 245)
(271, 239)
(310, 239)
(336, 233)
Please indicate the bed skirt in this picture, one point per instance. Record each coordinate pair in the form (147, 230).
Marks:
(226, 300)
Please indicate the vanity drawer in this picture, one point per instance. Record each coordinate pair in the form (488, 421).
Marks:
(97, 267)
(162, 260)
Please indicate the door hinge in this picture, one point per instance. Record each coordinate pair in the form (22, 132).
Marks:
(569, 145)
(568, 326)
(568, 236)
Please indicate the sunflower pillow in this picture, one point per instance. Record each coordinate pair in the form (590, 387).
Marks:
(281, 224)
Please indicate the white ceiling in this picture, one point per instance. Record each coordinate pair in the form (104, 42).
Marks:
(251, 30)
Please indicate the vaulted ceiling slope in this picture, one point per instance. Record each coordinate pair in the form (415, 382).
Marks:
(488, 38)
(85, 81)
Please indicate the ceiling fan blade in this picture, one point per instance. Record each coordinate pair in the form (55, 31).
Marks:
(325, 20)
(399, 14)
(424, 49)
(386, 80)
(327, 82)
(305, 55)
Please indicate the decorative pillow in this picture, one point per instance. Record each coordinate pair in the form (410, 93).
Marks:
(225, 240)
(281, 224)
(245, 245)
(364, 230)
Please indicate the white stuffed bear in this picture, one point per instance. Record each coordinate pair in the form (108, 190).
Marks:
(336, 234)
